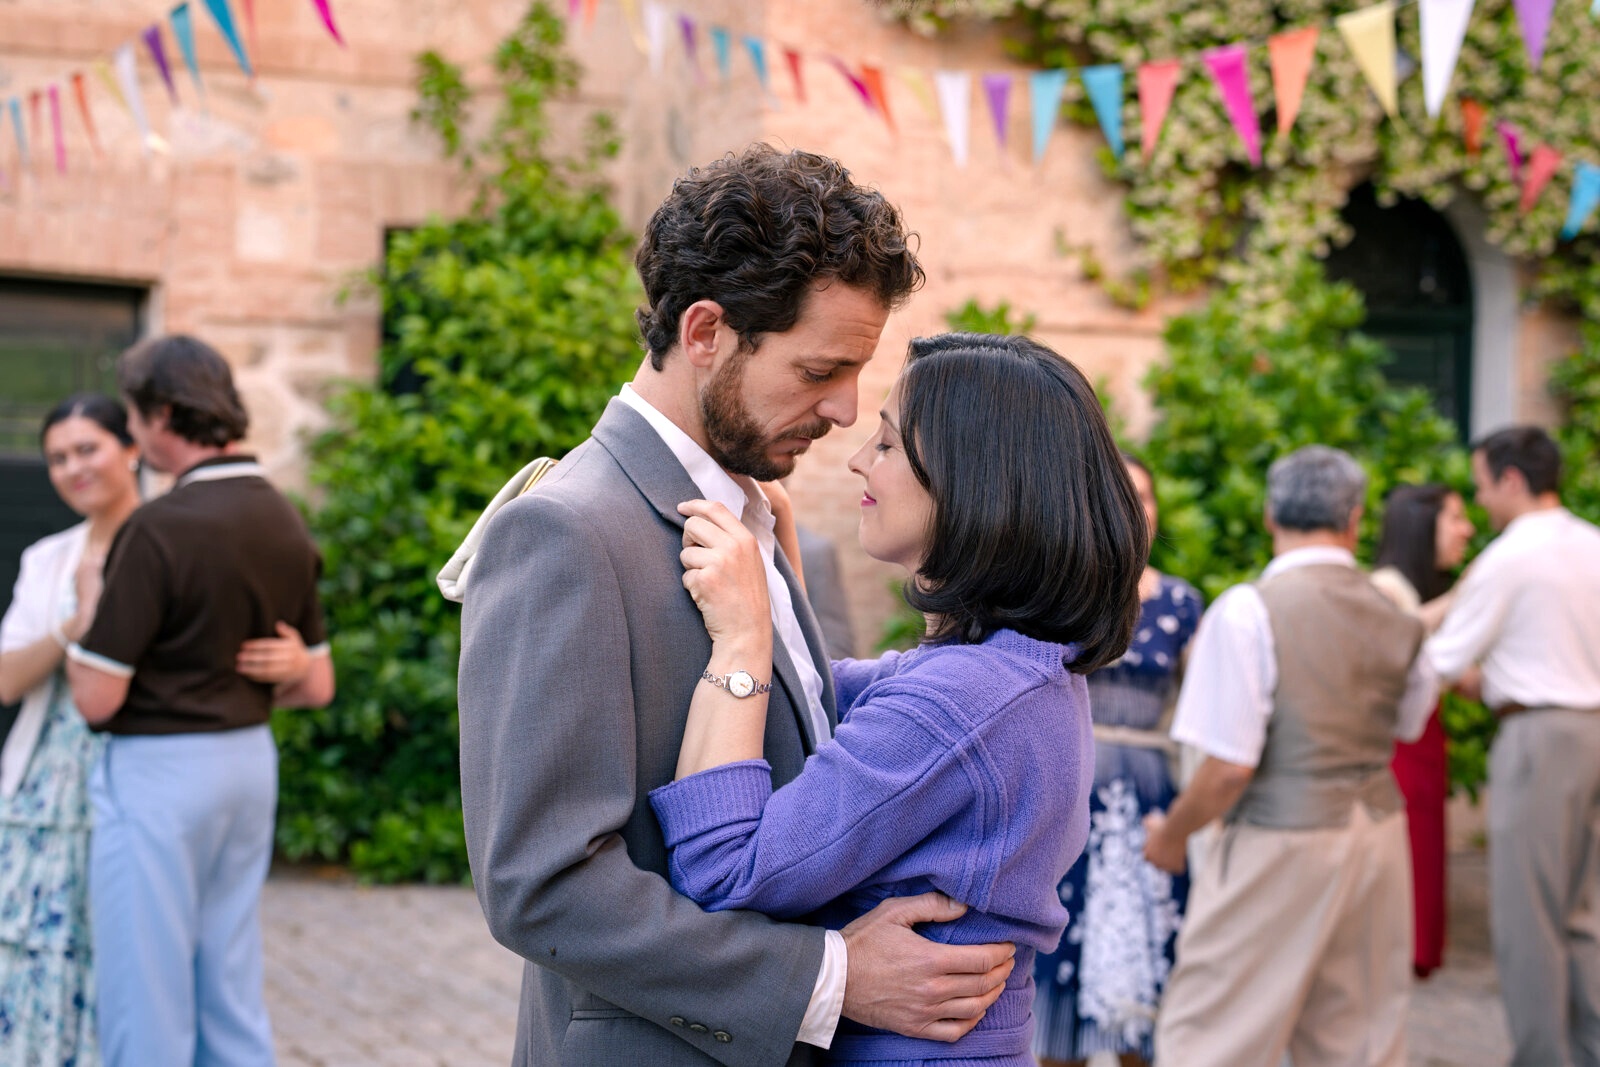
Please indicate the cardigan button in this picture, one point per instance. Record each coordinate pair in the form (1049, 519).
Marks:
(723, 1036)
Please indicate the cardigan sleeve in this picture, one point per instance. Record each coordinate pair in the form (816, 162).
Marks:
(895, 772)
(852, 676)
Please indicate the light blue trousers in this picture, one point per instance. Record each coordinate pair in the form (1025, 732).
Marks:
(182, 839)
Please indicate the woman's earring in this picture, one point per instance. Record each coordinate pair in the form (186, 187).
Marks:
(133, 465)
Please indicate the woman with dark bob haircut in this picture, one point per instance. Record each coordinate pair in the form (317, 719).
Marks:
(965, 764)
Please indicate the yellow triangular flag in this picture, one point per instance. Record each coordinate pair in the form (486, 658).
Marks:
(917, 82)
(102, 70)
(1370, 35)
(630, 15)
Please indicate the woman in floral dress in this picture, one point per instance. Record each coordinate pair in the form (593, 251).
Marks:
(1100, 989)
(46, 980)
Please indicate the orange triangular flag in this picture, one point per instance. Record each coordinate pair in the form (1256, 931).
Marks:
(1157, 82)
(872, 78)
(1472, 116)
(1541, 168)
(1291, 66)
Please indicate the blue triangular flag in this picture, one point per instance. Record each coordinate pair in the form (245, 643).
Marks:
(224, 15)
(183, 30)
(1585, 198)
(758, 59)
(22, 134)
(1044, 94)
(720, 42)
(1105, 93)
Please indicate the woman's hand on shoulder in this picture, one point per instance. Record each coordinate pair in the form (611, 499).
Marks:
(724, 573)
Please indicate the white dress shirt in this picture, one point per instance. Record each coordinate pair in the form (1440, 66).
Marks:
(742, 496)
(1528, 611)
(1227, 696)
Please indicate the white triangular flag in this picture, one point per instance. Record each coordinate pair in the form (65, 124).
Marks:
(127, 70)
(1444, 27)
(954, 88)
(657, 20)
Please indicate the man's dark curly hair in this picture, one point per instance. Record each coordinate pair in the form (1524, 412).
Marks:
(755, 232)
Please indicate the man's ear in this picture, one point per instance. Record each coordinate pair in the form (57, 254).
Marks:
(700, 333)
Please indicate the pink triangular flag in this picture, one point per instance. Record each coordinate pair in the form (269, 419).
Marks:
(326, 11)
(55, 130)
(997, 89)
(1233, 82)
(1157, 82)
(1291, 65)
(1513, 142)
(1541, 168)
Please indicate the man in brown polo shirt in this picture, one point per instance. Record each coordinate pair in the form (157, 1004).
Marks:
(203, 627)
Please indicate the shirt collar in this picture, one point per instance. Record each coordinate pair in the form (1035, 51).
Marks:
(1529, 519)
(230, 465)
(1309, 556)
(732, 491)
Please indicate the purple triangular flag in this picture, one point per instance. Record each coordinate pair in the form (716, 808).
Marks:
(690, 47)
(1534, 17)
(158, 52)
(997, 90)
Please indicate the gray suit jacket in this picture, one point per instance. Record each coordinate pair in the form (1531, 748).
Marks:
(580, 650)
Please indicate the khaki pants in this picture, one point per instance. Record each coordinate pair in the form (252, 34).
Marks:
(1297, 941)
(1544, 884)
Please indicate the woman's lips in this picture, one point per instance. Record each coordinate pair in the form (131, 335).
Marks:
(866, 500)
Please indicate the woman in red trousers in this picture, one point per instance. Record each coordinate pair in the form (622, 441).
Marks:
(1425, 536)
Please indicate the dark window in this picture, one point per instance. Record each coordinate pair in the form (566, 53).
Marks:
(56, 339)
(1408, 263)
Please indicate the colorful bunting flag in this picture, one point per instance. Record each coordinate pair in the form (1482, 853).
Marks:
(250, 21)
(222, 15)
(1513, 144)
(1534, 18)
(690, 47)
(102, 70)
(792, 58)
(656, 18)
(1472, 116)
(1291, 55)
(589, 9)
(877, 92)
(1585, 196)
(1044, 101)
(183, 30)
(1104, 83)
(1228, 69)
(55, 129)
(630, 16)
(17, 130)
(81, 91)
(1370, 35)
(758, 62)
(917, 82)
(158, 52)
(573, 7)
(128, 78)
(1444, 27)
(722, 48)
(326, 11)
(954, 90)
(1157, 82)
(862, 92)
(1541, 168)
(997, 90)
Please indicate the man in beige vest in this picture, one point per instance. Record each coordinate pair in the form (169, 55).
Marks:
(1528, 613)
(1298, 936)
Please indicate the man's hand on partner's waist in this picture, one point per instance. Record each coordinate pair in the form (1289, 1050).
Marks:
(898, 980)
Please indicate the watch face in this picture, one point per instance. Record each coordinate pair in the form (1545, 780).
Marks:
(740, 684)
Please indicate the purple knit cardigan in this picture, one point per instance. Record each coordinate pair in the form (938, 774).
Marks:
(961, 768)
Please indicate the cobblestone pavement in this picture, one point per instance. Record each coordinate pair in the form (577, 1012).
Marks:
(406, 977)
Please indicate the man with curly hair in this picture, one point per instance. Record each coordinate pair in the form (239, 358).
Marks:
(768, 278)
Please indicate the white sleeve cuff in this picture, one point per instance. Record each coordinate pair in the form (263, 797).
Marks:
(827, 997)
(320, 650)
(78, 654)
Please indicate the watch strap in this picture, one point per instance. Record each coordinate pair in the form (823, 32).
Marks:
(721, 682)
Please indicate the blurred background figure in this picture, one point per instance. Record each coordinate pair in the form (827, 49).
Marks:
(46, 983)
(1424, 541)
(1100, 990)
(819, 562)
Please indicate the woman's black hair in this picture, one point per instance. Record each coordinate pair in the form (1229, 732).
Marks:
(1409, 541)
(97, 408)
(1036, 525)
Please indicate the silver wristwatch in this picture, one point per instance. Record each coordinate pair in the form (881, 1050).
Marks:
(740, 683)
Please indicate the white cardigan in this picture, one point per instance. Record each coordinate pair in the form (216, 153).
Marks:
(44, 598)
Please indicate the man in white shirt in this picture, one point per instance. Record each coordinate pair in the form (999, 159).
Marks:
(768, 279)
(1527, 612)
(1298, 934)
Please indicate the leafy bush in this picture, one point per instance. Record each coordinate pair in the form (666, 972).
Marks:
(508, 330)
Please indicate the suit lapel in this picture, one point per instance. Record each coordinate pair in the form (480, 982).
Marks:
(814, 644)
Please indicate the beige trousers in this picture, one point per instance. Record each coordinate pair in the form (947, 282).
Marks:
(1544, 884)
(1297, 941)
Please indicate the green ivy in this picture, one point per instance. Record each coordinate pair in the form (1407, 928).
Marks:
(508, 330)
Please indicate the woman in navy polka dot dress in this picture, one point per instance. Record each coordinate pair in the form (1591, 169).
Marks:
(1100, 989)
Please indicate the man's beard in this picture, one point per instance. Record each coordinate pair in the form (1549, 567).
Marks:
(736, 440)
